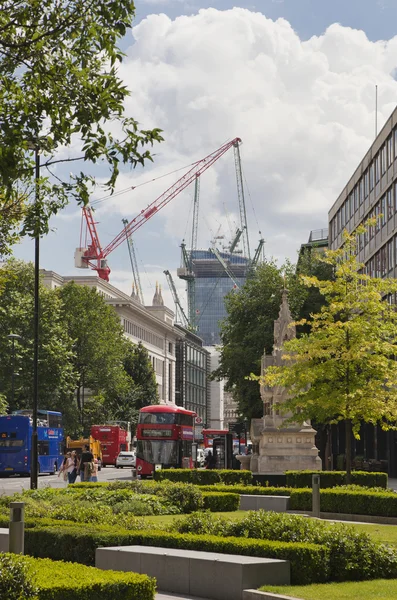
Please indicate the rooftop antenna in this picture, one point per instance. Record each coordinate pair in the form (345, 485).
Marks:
(376, 111)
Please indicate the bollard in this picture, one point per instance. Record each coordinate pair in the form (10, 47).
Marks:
(16, 534)
(316, 496)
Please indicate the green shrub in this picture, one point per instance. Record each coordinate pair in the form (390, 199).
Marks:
(68, 581)
(78, 544)
(254, 490)
(15, 580)
(329, 479)
(204, 476)
(353, 555)
(221, 502)
(341, 500)
(185, 496)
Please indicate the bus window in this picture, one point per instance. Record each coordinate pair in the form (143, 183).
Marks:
(43, 448)
(11, 443)
(158, 418)
(54, 420)
(186, 420)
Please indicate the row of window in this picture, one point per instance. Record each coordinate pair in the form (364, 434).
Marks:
(195, 356)
(377, 168)
(383, 261)
(195, 395)
(143, 334)
(157, 365)
(195, 376)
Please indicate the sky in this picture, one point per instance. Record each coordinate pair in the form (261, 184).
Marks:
(294, 79)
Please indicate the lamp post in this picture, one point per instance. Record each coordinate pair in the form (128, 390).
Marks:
(34, 453)
(13, 337)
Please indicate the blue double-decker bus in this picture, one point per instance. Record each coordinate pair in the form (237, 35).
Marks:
(16, 442)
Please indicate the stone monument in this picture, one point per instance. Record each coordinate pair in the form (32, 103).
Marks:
(278, 446)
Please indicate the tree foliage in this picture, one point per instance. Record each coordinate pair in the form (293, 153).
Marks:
(60, 89)
(345, 368)
(247, 331)
(99, 349)
(56, 374)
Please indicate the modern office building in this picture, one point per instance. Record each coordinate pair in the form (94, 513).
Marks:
(212, 284)
(317, 242)
(371, 192)
(192, 374)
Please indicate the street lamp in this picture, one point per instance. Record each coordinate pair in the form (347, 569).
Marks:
(13, 337)
(34, 453)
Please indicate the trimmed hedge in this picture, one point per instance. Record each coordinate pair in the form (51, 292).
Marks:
(205, 476)
(221, 502)
(253, 490)
(329, 479)
(15, 580)
(381, 504)
(309, 562)
(68, 581)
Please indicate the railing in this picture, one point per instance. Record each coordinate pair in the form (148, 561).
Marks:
(318, 234)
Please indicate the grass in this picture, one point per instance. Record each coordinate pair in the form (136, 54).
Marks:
(378, 589)
(387, 534)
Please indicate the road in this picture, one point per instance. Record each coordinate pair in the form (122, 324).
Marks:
(15, 483)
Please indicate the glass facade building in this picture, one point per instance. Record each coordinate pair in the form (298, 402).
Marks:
(212, 284)
(192, 373)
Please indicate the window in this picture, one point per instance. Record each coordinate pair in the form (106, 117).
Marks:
(338, 215)
(361, 192)
(390, 207)
(390, 255)
(395, 143)
(343, 222)
(383, 210)
(377, 168)
(43, 448)
(377, 215)
(170, 347)
(383, 159)
(389, 150)
(383, 261)
(354, 203)
(371, 176)
(366, 183)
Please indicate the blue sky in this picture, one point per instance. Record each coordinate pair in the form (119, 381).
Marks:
(298, 91)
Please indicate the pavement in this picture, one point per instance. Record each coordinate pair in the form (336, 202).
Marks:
(164, 596)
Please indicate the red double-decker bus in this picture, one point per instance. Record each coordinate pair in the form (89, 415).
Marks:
(113, 438)
(210, 434)
(165, 435)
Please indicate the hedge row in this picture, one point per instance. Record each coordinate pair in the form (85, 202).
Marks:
(253, 490)
(221, 502)
(381, 504)
(204, 476)
(309, 562)
(43, 579)
(328, 479)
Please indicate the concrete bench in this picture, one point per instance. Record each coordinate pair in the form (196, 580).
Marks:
(275, 503)
(204, 574)
(3, 539)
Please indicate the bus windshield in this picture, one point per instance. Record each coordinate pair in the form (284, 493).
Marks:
(158, 451)
(161, 418)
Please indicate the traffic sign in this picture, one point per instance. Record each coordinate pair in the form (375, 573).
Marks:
(198, 420)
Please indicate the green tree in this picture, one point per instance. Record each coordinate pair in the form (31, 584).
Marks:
(57, 378)
(143, 389)
(345, 368)
(99, 351)
(247, 330)
(60, 89)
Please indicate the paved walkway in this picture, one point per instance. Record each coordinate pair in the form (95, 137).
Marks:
(165, 596)
(392, 483)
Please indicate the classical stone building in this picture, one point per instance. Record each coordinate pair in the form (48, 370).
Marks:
(281, 446)
(152, 325)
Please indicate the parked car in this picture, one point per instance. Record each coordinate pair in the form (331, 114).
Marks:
(125, 459)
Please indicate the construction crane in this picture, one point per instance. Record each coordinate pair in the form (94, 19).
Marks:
(258, 253)
(178, 306)
(134, 264)
(93, 255)
(220, 259)
(186, 271)
(235, 240)
(241, 200)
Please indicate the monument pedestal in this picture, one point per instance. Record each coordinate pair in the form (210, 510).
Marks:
(290, 449)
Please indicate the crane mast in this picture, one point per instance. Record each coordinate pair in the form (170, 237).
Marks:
(220, 259)
(178, 305)
(241, 200)
(134, 264)
(95, 257)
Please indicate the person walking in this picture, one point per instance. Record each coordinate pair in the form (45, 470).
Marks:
(85, 465)
(94, 474)
(64, 466)
(72, 469)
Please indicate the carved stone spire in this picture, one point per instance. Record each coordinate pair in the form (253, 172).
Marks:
(134, 294)
(283, 329)
(155, 301)
(160, 297)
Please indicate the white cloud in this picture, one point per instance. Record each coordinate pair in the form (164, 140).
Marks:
(304, 110)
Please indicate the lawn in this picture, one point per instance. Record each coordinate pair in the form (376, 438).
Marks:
(380, 589)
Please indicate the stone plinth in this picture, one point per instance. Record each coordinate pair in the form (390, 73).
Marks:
(244, 460)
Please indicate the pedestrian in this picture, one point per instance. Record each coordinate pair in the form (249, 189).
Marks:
(86, 464)
(94, 474)
(64, 467)
(210, 461)
(72, 470)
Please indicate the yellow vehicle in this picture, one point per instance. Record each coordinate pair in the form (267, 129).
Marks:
(78, 445)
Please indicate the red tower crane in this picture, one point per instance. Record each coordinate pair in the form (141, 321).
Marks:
(94, 256)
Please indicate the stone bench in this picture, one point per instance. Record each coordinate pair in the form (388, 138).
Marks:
(3, 539)
(274, 503)
(204, 574)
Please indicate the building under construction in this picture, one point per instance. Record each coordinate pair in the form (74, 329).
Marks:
(212, 283)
